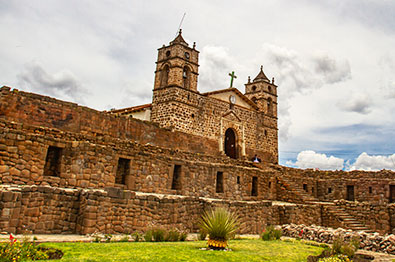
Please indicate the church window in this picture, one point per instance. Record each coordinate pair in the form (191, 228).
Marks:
(238, 180)
(329, 190)
(253, 88)
(168, 53)
(122, 170)
(164, 76)
(305, 187)
(176, 182)
(219, 188)
(52, 161)
(270, 88)
(254, 186)
(370, 190)
(186, 76)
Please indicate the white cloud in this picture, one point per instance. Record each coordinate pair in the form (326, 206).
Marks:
(373, 163)
(62, 84)
(358, 103)
(311, 159)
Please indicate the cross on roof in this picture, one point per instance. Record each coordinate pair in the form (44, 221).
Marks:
(232, 76)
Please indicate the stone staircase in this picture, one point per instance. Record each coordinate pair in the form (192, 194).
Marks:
(347, 221)
(292, 187)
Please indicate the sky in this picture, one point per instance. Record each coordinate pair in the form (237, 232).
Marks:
(333, 62)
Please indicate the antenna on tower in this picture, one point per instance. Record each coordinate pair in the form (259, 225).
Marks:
(179, 27)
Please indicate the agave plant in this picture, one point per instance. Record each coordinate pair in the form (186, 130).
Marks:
(220, 224)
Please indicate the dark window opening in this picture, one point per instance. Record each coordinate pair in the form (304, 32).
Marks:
(312, 189)
(254, 186)
(238, 179)
(168, 53)
(122, 171)
(329, 190)
(265, 132)
(392, 194)
(269, 106)
(52, 161)
(176, 183)
(270, 184)
(305, 187)
(253, 88)
(186, 76)
(270, 88)
(370, 190)
(219, 188)
(350, 193)
(164, 76)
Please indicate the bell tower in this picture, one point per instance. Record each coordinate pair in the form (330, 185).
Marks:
(177, 65)
(263, 93)
(175, 98)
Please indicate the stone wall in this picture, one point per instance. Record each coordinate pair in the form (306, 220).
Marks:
(375, 216)
(371, 186)
(52, 210)
(92, 162)
(42, 111)
(38, 209)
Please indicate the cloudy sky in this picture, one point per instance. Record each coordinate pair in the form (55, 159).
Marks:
(333, 60)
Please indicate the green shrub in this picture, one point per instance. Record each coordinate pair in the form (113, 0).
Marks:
(158, 234)
(107, 237)
(97, 239)
(341, 247)
(172, 235)
(270, 233)
(17, 251)
(183, 236)
(202, 235)
(148, 236)
(136, 236)
(220, 224)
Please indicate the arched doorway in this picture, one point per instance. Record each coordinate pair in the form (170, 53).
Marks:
(230, 143)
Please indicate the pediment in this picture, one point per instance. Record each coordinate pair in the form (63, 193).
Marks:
(224, 95)
(231, 116)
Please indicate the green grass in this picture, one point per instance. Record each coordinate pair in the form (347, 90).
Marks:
(243, 250)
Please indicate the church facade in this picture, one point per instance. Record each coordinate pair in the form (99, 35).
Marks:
(242, 124)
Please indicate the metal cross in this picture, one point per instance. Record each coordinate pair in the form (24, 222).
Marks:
(232, 76)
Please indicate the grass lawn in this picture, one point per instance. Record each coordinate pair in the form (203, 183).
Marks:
(243, 250)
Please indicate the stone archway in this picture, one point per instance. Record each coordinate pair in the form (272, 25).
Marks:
(230, 143)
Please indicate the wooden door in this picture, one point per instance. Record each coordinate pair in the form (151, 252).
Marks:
(350, 193)
(230, 143)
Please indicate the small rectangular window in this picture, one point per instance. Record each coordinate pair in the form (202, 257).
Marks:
(238, 180)
(370, 190)
(122, 170)
(329, 190)
(176, 182)
(305, 187)
(270, 184)
(52, 161)
(219, 188)
(254, 186)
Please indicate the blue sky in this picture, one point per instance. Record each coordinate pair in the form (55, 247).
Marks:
(334, 63)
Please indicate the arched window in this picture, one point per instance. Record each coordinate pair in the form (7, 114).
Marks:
(186, 75)
(164, 76)
(253, 88)
(270, 88)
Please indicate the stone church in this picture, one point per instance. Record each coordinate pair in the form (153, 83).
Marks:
(243, 124)
(66, 168)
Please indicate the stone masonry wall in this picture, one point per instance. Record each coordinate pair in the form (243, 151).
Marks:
(52, 210)
(37, 110)
(91, 162)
